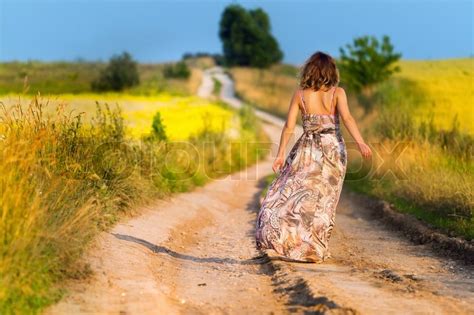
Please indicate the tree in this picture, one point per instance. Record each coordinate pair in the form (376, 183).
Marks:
(368, 62)
(246, 38)
(120, 73)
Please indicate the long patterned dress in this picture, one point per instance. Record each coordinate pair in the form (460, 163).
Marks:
(297, 214)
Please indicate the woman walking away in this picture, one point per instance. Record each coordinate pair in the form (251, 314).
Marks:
(298, 212)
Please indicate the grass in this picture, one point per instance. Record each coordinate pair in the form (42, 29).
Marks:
(448, 89)
(439, 88)
(432, 178)
(450, 223)
(76, 77)
(268, 89)
(422, 180)
(64, 179)
(217, 87)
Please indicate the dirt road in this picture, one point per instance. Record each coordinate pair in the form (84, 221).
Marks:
(194, 253)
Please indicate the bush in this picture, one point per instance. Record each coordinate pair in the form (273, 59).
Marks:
(120, 73)
(158, 129)
(179, 70)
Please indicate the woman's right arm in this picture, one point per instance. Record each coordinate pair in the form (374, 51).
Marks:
(287, 131)
(350, 123)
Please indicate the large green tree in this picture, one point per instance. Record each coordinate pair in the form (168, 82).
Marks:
(246, 38)
(367, 62)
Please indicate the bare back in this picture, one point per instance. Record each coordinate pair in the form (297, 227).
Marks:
(319, 102)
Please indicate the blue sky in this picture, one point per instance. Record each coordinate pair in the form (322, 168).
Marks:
(157, 30)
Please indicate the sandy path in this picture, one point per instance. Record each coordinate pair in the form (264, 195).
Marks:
(194, 254)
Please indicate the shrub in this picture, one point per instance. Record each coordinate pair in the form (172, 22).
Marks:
(178, 70)
(120, 73)
(158, 129)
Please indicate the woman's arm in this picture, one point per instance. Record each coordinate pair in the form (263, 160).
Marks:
(288, 130)
(350, 123)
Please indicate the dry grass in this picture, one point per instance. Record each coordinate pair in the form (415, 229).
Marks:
(269, 89)
(421, 180)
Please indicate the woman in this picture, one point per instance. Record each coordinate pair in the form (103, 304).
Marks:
(298, 212)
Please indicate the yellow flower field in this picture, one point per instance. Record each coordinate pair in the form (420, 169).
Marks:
(182, 116)
(449, 89)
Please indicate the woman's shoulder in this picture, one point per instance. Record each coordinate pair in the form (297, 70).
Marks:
(298, 91)
(339, 91)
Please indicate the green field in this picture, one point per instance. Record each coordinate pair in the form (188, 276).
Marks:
(76, 77)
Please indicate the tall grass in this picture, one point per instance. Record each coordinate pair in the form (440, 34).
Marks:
(426, 170)
(63, 181)
(269, 89)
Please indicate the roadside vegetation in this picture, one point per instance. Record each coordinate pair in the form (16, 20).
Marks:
(73, 164)
(268, 89)
(424, 157)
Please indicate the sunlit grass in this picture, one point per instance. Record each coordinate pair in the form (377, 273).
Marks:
(419, 176)
(448, 87)
(269, 89)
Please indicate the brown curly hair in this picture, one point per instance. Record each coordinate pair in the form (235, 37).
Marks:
(319, 71)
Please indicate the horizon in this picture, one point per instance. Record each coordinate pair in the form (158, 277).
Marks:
(156, 34)
(80, 60)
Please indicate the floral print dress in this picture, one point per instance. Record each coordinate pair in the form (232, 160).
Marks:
(297, 214)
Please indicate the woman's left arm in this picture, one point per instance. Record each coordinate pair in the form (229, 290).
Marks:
(288, 130)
